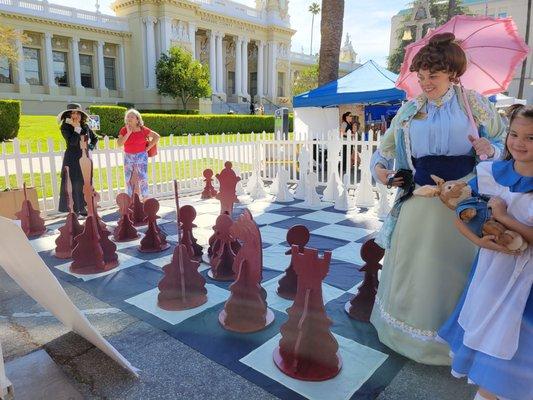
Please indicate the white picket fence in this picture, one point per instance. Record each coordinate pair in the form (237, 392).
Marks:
(182, 162)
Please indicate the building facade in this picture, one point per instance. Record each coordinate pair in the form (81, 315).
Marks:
(517, 9)
(90, 57)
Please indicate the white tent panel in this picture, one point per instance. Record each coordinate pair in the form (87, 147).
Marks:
(314, 122)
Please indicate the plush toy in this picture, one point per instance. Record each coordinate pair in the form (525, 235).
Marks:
(473, 210)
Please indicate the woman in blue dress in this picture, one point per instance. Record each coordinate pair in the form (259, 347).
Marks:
(426, 261)
(491, 330)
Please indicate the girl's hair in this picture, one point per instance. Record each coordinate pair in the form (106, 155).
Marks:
(516, 110)
(136, 113)
(442, 53)
(345, 115)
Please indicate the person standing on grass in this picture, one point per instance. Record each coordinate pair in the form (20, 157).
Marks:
(73, 126)
(137, 140)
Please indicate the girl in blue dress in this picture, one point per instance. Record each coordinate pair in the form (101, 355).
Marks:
(490, 333)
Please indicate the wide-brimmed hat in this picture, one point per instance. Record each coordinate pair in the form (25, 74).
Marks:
(71, 107)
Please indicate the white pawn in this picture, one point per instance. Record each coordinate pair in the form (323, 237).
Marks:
(312, 199)
(283, 195)
(344, 201)
(274, 185)
(239, 189)
(303, 162)
(257, 191)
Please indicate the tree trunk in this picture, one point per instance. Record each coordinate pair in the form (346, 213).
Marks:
(451, 8)
(184, 102)
(330, 40)
(312, 24)
(524, 64)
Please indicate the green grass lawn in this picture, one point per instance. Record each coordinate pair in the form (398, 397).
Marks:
(36, 129)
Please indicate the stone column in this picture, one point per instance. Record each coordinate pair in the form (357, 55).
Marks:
(166, 29)
(102, 90)
(266, 69)
(245, 67)
(150, 51)
(192, 38)
(50, 78)
(212, 62)
(220, 64)
(121, 70)
(273, 71)
(23, 86)
(238, 66)
(259, 69)
(75, 54)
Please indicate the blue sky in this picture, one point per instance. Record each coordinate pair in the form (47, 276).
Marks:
(367, 22)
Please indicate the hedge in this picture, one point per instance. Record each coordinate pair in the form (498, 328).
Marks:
(9, 119)
(112, 119)
(180, 112)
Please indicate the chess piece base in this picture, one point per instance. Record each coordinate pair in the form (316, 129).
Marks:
(93, 269)
(63, 254)
(223, 278)
(177, 304)
(126, 240)
(361, 313)
(285, 294)
(36, 233)
(245, 326)
(316, 374)
(136, 224)
(163, 248)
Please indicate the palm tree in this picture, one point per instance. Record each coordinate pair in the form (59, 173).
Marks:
(523, 73)
(314, 9)
(330, 41)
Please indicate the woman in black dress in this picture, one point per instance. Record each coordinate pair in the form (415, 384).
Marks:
(73, 126)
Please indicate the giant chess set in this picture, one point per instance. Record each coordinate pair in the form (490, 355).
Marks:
(272, 283)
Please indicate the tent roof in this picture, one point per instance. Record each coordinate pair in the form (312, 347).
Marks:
(369, 83)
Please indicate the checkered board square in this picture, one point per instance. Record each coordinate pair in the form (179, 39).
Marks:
(368, 366)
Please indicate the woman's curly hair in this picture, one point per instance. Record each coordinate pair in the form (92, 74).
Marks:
(442, 53)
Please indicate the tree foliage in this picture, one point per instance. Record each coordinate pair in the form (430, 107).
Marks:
(181, 77)
(441, 10)
(8, 48)
(306, 80)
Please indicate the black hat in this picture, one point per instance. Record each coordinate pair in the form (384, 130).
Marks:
(71, 107)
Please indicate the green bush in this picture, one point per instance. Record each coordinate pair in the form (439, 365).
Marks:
(181, 112)
(111, 119)
(126, 104)
(9, 119)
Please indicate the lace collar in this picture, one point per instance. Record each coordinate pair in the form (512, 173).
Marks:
(443, 99)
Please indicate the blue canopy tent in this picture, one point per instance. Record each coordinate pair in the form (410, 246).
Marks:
(368, 84)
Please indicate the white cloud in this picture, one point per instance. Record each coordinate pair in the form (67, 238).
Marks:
(367, 22)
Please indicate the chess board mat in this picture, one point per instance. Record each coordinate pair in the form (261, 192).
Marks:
(368, 365)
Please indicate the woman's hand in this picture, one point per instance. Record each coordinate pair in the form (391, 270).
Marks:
(498, 207)
(383, 175)
(487, 242)
(482, 146)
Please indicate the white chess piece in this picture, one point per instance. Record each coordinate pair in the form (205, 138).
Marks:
(274, 185)
(239, 189)
(344, 201)
(312, 199)
(334, 185)
(303, 162)
(383, 207)
(258, 190)
(283, 194)
(364, 196)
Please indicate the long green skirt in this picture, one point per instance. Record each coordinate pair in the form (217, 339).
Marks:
(424, 273)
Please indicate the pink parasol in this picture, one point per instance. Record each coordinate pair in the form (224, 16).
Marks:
(493, 49)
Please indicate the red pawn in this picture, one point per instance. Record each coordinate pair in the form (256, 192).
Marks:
(187, 214)
(65, 242)
(209, 191)
(224, 248)
(307, 349)
(124, 231)
(154, 240)
(246, 309)
(227, 194)
(297, 235)
(138, 217)
(360, 307)
(182, 286)
(30, 220)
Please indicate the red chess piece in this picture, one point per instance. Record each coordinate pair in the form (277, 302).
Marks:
(182, 286)
(360, 307)
(138, 217)
(125, 231)
(227, 194)
(154, 240)
(297, 235)
(307, 349)
(187, 214)
(93, 252)
(30, 220)
(224, 248)
(246, 309)
(209, 191)
(65, 241)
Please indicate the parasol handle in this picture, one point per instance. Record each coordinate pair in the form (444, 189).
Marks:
(473, 125)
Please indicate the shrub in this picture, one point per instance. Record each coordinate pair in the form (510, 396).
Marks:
(126, 104)
(111, 118)
(183, 112)
(9, 119)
